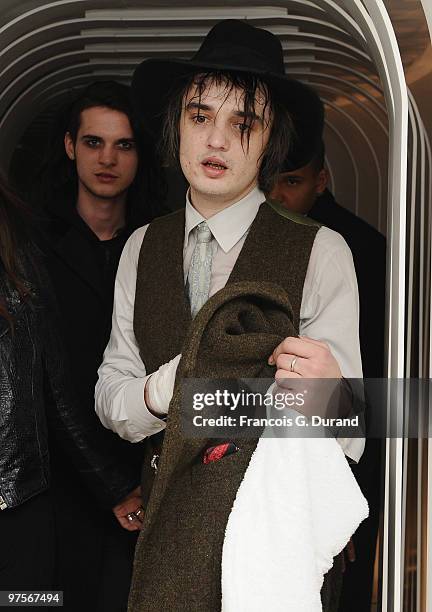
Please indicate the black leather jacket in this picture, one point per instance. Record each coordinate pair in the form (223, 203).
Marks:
(36, 398)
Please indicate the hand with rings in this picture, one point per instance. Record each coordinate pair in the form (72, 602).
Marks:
(138, 514)
(129, 512)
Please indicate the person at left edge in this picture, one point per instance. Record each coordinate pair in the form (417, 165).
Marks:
(95, 196)
(36, 404)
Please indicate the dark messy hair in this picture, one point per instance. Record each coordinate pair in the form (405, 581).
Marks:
(108, 94)
(57, 176)
(252, 86)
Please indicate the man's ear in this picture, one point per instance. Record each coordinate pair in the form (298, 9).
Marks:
(69, 146)
(322, 181)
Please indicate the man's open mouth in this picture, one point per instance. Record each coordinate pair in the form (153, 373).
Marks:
(217, 164)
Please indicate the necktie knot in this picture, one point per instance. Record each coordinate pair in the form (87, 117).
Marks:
(203, 232)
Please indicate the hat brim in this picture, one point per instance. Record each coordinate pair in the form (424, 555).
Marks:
(156, 79)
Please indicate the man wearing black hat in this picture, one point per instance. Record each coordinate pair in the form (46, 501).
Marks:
(226, 117)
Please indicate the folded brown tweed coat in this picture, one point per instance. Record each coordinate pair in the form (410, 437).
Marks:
(178, 556)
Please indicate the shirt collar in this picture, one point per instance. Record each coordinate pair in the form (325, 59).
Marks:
(230, 224)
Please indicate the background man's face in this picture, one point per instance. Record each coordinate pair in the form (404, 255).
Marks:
(215, 162)
(298, 190)
(104, 152)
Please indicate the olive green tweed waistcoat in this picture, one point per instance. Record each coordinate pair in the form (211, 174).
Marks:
(178, 557)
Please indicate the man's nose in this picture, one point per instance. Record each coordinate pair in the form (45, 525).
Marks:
(108, 156)
(217, 138)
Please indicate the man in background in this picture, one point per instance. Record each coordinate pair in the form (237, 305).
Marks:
(95, 195)
(304, 190)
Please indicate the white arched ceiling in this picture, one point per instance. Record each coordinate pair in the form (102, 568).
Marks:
(347, 50)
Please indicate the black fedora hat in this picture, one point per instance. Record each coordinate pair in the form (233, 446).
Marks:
(232, 46)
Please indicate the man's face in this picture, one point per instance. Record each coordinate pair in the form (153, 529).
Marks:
(298, 190)
(219, 166)
(104, 152)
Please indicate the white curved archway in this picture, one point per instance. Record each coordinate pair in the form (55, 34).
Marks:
(339, 47)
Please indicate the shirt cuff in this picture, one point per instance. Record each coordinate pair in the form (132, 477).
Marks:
(160, 386)
(142, 422)
(352, 447)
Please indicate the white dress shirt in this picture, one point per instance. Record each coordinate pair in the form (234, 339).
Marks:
(329, 312)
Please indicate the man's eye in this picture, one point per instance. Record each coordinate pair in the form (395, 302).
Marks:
(199, 118)
(291, 181)
(243, 127)
(127, 146)
(92, 142)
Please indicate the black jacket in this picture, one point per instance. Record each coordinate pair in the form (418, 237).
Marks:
(36, 398)
(82, 271)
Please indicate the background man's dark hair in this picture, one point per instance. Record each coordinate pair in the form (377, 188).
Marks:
(318, 160)
(57, 178)
(281, 130)
(291, 162)
(108, 94)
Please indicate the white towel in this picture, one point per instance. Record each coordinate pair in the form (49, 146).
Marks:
(295, 509)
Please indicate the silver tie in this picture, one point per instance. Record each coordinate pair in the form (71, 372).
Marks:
(200, 268)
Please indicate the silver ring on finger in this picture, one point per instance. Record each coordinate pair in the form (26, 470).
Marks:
(293, 362)
(130, 517)
(139, 512)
